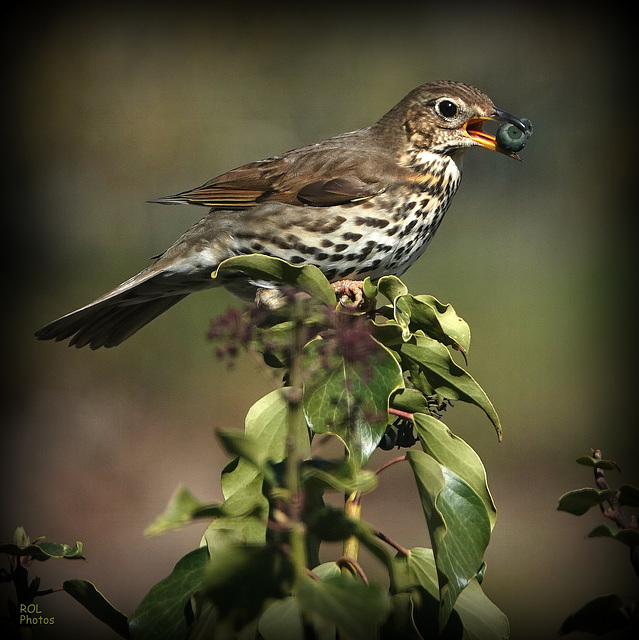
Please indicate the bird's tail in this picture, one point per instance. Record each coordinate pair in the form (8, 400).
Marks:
(118, 314)
(106, 323)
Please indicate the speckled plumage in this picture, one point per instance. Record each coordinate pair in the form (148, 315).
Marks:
(364, 203)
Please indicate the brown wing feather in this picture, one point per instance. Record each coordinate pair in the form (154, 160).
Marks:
(319, 175)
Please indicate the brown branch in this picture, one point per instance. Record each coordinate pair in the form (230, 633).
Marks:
(614, 512)
(312, 574)
(353, 566)
(398, 547)
(401, 414)
(389, 463)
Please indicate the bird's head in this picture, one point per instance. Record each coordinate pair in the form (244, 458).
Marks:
(448, 118)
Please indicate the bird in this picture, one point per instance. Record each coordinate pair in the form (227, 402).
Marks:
(363, 203)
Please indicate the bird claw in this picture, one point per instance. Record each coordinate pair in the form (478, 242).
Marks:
(351, 294)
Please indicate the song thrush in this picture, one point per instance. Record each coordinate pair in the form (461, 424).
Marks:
(364, 203)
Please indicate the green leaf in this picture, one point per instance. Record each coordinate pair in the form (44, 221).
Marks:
(266, 423)
(274, 270)
(44, 550)
(459, 526)
(441, 323)
(599, 616)
(246, 448)
(436, 320)
(348, 396)
(480, 617)
(410, 400)
(628, 537)
(608, 465)
(91, 599)
(282, 618)
(161, 614)
(243, 579)
(417, 569)
(330, 524)
(455, 454)
(342, 476)
(369, 289)
(423, 312)
(183, 508)
(391, 287)
(388, 333)
(628, 495)
(281, 621)
(579, 501)
(428, 357)
(355, 608)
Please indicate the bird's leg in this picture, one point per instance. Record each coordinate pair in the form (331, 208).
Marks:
(270, 299)
(349, 292)
(351, 296)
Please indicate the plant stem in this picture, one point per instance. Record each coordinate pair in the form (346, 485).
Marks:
(401, 414)
(389, 463)
(353, 510)
(400, 548)
(293, 451)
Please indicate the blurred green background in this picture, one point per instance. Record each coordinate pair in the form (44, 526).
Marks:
(112, 105)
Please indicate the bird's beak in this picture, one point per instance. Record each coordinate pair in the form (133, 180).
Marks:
(473, 129)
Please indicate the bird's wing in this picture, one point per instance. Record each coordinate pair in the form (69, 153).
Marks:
(336, 171)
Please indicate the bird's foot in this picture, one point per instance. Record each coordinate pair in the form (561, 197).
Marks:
(350, 294)
(270, 299)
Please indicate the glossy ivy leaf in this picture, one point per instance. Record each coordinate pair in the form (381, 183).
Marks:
(276, 271)
(329, 524)
(369, 289)
(608, 465)
(410, 400)
(455, 454)
(423, 312)
(247, 448)
(580, 501)
(93, 601)
(162, 613)
(44, 550)
(266, 423)
(182, 509)
(459, 527)
(417, 569)
(282, 618)
(628, 495)
(243, 579)
(600, 616)
(342, 476)
(439, 321)
(391, 287)
(629, 537)
(388, 333)
(281, 621)
(355, 608)
(423, 356)
(436, 320)
(348, 396)
(479, 617)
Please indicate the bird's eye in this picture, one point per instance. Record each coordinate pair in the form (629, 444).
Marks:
(446, 108)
